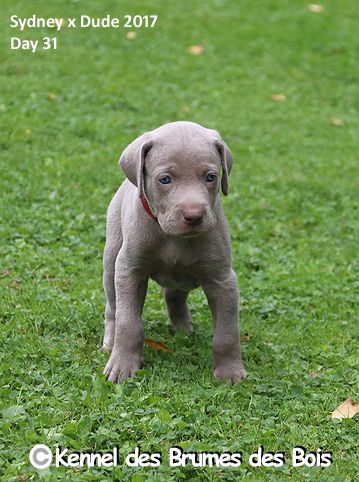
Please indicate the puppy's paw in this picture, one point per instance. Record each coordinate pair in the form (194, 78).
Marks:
(183, 325)
(233, 372)
(121, 366)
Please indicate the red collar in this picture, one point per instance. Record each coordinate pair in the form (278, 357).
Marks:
(146, 207)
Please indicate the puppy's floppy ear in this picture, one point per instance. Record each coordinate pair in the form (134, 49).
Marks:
(132, 160)
(226, 162)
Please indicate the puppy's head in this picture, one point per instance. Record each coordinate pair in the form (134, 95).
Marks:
(180, 168)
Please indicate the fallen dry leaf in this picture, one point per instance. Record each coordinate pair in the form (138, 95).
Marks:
(346, 410)
(315, 7)
(336, 121)
(196, 50)
(157, 345)
(313, 374)
(186, 109)
(51, 96)
(279, 97)
(131, 35)
(50, 279)
(22, 478)
(15, 284)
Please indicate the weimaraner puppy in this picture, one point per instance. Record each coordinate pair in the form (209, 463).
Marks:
(166, 222)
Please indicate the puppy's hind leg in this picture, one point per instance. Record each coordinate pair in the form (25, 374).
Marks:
(178, 311)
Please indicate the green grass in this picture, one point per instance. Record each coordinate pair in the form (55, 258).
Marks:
(292, 208)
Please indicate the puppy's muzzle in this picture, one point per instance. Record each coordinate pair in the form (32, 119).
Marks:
(193, 215)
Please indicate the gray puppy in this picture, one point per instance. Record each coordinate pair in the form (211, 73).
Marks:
(166, 222)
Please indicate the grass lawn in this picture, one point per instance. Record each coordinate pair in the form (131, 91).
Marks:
(293, 212)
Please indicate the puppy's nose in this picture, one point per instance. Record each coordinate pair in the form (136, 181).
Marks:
(193, 215)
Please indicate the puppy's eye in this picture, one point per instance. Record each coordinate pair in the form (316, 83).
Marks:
(211, 177)
(165, 180)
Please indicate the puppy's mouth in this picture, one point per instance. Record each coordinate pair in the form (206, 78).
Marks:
(188, 232)
(176, 227)
(192, 234)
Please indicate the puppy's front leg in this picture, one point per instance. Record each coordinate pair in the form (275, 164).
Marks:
(223, 300)
(127, 352)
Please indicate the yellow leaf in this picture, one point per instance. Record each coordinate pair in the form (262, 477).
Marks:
(279, 97)
(51, 96)
(196, 50)
(346, 410)
(186, 109)
(27, 131)
(131, 35)
(315, 7)
(336, 121)
(157, 345)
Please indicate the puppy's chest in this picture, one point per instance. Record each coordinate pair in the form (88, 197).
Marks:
(175, 267)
